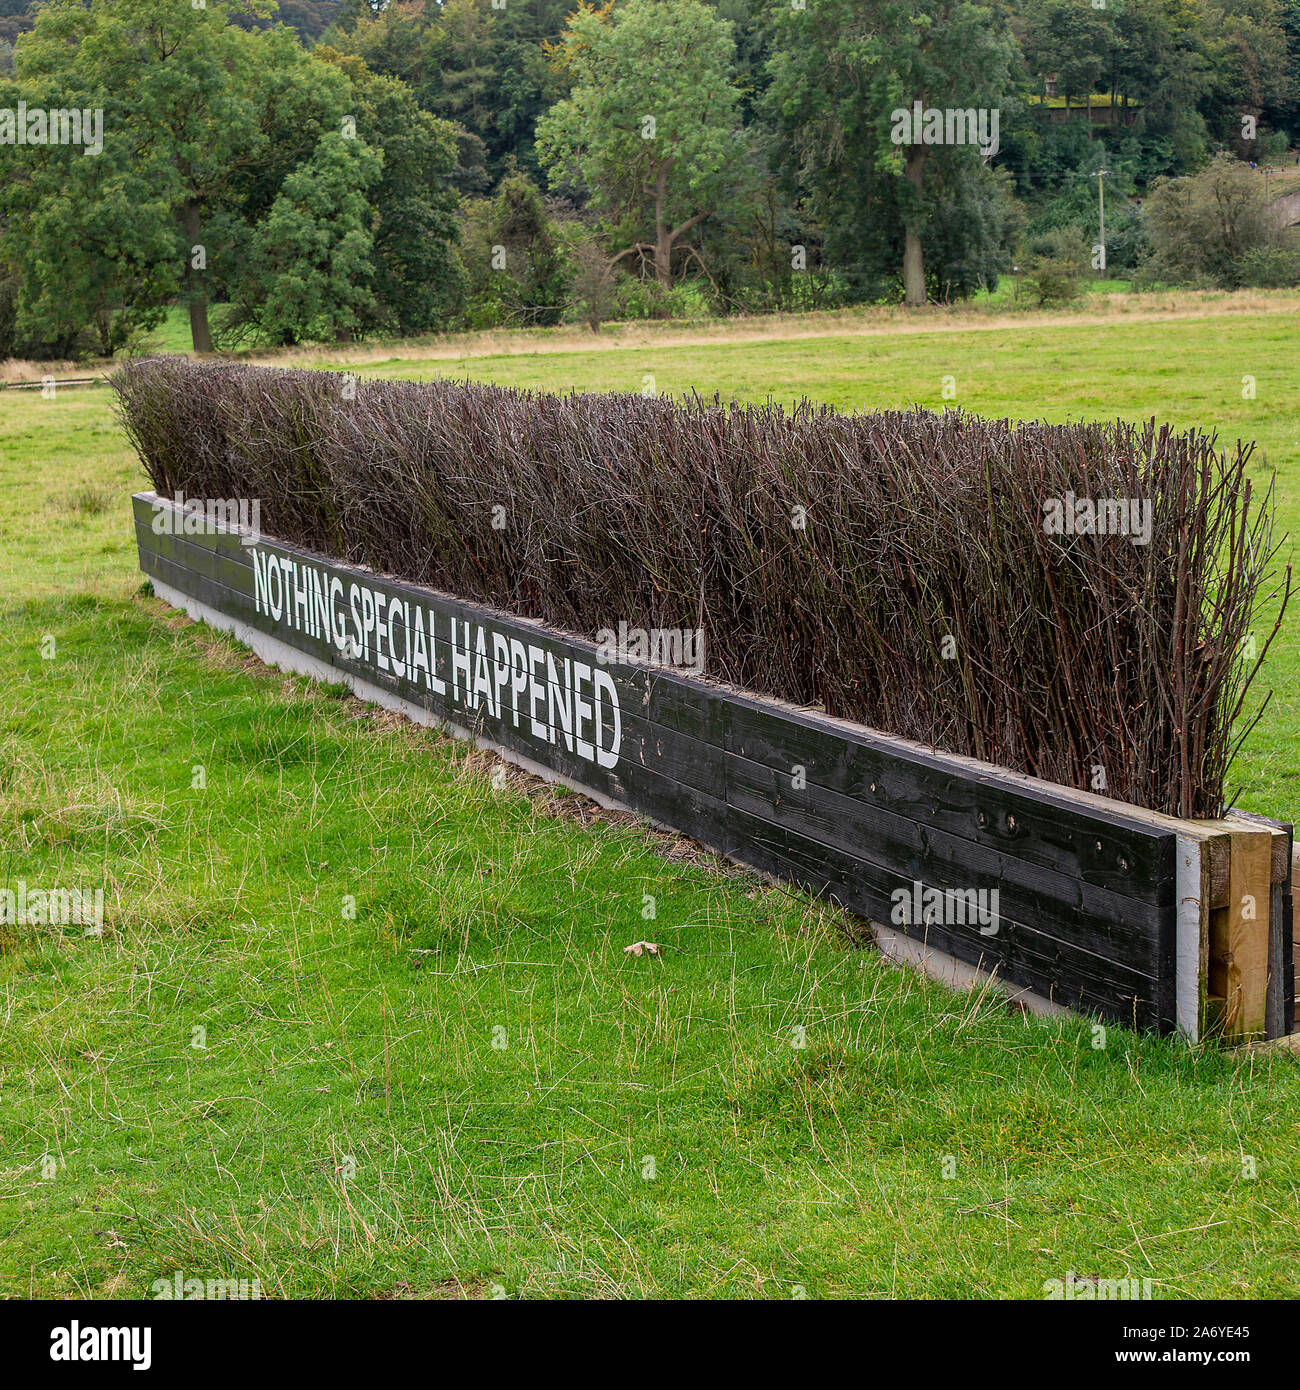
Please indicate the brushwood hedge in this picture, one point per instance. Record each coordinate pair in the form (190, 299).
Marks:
(933, 575)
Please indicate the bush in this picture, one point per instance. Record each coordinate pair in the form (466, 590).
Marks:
(591, 291)
(518, 261)
(1269, 267)
(833, 560)
(688, 299)
(1055, 262)
(636, 298)
(1204, 226)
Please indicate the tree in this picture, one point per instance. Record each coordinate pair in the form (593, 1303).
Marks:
(1246, 51)
(591, 291)
(651, 126)
(212, 134)
(84, 236)
(1160, 62)
(1286, 112)
(474, 62)
(93, 255)
(313, 263)
(842, 69)
(1055, 262)
(518, 265)
(419, 279)
(1072, 42)
(1202, 226)
(190, 102)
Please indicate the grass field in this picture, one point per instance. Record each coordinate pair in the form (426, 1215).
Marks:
(467, 1087)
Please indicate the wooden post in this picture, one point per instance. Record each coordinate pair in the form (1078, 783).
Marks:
(1239, 935)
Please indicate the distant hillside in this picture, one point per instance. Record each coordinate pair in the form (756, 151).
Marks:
(14, 19)
(309, 17)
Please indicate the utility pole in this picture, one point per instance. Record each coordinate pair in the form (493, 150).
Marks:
(1268, 198)
(1101, 208)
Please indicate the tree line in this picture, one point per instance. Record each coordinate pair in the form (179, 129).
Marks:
(328, 171)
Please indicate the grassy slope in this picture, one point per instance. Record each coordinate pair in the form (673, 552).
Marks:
(332, 1041)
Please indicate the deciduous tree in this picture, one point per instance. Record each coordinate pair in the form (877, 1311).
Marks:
(651, 125)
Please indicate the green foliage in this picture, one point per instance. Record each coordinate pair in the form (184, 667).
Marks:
(517, 261)
(313, 269)
(771, 180)
(201, 120)
(1271, 267)
(1056, 261)
(591, 290)
(1181, 79)
(637, 298)
(1203, 225)
(650, 129)
(419, 280)
(973, 230)
(465, 61)
(1246, 68)
(213, 130)
(307, 18)
(92, 254)
(9, 291)
(1077, 204)
(837, 81)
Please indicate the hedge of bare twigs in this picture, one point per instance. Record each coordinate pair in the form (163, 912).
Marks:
(1073, 653)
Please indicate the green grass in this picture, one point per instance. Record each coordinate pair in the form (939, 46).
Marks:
(172, 334)
(349, 1129)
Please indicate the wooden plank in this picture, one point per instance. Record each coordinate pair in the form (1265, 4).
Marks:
(1291, 903)
(1239, 938)
(1055, 969)
(1116, 852)
(1097, 919)
(1279, 1016)
(1281, 993)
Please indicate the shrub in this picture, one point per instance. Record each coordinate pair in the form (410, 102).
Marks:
(591, 291)
(1055, 263)
(688, 299)
(1204, 225)
(1269, 267)
(832, 560)
(516, 257)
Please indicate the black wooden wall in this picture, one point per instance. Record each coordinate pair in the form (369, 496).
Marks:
(1087, 892)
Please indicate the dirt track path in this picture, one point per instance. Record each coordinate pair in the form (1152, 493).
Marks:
(1108, 311)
